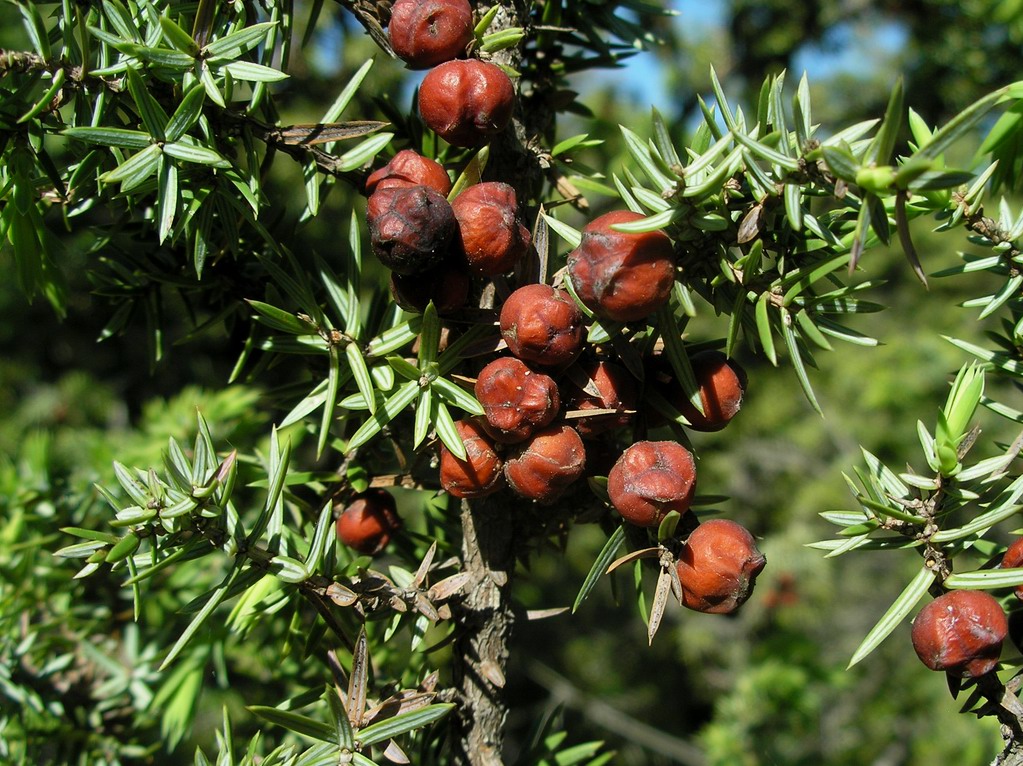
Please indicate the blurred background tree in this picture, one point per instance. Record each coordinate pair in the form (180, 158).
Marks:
(767, 687)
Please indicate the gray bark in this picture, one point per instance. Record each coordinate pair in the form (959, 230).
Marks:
(484, 623)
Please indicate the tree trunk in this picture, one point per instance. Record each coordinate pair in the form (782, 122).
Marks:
(484, 626)
(1011, 756)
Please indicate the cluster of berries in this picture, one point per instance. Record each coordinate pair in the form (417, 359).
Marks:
(550, 396)
(465, 101)
(432, 246)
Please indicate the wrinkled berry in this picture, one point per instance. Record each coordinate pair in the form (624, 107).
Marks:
(542, 467)
(480, 473)
(367, 523)
(493, 238)
(410, 228)
(542, 324)
(425, 33)
(517, 401)
(650, 480)
(620, 276)
(466, 102)
(718, 567)
(409, 168)
(960, 632)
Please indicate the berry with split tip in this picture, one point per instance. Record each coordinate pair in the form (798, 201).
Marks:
(545, 465)
(480, 473)
(466, 102)
(410, 228)
(447, 285)
(542, 324)
(650, 480)
(622, 276)
(493, 237)
(425, 33)
(960, 632)
(516, 400)
(718, 567)
(409, 168)
(367, 523)
(1014, 558)
(611, 387)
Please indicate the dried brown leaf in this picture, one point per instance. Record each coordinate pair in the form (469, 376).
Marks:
(448, 587)
(594, 413)
(676, 583)
(398, 604)
(424, 567)
(404, 701)
(341, 595)
(325, 133)
(429, 683)
(752, 224)
(427, 609)
(543, 614)
(491, 671)
(584, 381)
(395, 754)
(359, 680)
(661, 593)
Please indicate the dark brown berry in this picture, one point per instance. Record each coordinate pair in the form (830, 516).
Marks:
(542, 324)
(620, 276)
(409, 168)
(367, 523)
(650, 480)
(410, 228)
(960, 632)
(493, 238)
(447, 285)
(466, 102)
(425, 33)
(545, 465)
(480, 473)
(718, 567)
(601, 386)
(517, 400)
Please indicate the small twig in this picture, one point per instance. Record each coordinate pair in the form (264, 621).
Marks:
(1004, 705)
(298, 142)
(76, 76)
(279, 140)
(374, 16)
